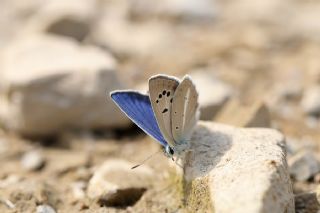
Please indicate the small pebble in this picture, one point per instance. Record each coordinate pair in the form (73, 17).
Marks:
(33, 160)
(78, 190)
(45, 209)
(8, 203)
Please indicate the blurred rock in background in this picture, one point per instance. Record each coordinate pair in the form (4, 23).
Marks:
(49, 83)
(244, 114)
(66, 18)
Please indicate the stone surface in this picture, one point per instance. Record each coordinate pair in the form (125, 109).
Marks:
(33, 160)
(310, 102)
(45, 209)
(237, 170)
(70, 18)
(244, 115)
(114, 183)
(72, 92)
(303, 165)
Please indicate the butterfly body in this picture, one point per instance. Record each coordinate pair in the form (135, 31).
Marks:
(168, 114)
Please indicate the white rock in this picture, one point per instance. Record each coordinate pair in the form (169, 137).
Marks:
(57, 84)
(116, 176)
(33, 160)
(45, 209)
(310, 102)
(303, 165)
(237, 170)
(213, 93)
(67, 18)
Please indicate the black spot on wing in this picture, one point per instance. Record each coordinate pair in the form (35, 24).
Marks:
(164, 92)
(171, 100)
(177, 127)
(157, 101)
(160, 95)
(165, 110)
(168, 93)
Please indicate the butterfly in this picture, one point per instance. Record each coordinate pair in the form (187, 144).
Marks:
(168, 114)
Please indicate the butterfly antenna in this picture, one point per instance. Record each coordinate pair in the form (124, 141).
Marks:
(136, 166)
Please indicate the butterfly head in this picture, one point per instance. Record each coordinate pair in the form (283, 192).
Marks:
(168, 151)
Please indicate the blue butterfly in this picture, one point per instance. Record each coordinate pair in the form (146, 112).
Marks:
(168, 114)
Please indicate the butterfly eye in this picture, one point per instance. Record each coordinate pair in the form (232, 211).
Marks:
(169, 151)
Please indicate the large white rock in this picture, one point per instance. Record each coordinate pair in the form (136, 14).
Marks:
(237, 170)
(50, 83)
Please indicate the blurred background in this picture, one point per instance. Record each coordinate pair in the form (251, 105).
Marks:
(255, 64)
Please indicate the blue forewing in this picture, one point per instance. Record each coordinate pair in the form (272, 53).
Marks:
(138, 108)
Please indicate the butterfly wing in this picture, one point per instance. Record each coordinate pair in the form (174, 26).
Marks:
(138, 108)
(185, 110)
(161, 90)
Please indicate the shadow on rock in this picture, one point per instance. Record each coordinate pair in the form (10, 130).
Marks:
(123, 198)
(207, 148)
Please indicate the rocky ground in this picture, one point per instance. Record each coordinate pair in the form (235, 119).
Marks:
(63, 143)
